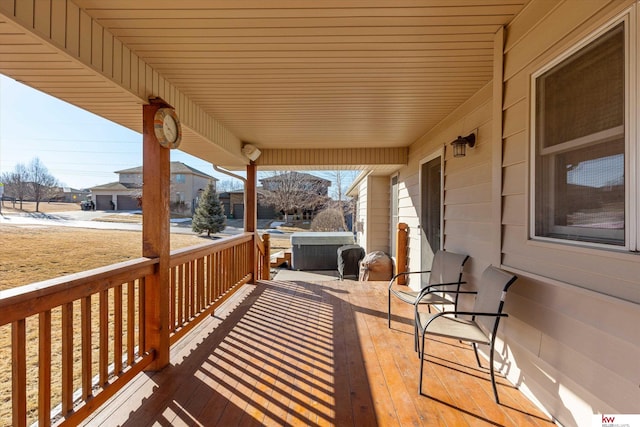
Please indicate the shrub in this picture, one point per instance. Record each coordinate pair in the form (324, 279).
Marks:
(329, 220)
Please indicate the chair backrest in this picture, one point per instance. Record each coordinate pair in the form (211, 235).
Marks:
(447, 267)
(492, 290)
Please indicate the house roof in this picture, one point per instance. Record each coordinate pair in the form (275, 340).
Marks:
(176, 167)
(116, 186)
(299, 175)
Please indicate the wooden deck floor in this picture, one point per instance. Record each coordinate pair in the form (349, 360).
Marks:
(315, 353)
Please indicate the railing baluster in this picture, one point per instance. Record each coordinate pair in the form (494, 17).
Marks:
(131, 327)
(192, 289)
(209, 279)
(67, 358)
(181, 298)
(19, 372)
(103, 362)
(172, 299)
(141, 316)
(85, 328)
(201, 302)
(44, 369)
(117, 330)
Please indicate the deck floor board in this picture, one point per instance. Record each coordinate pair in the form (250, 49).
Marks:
(315, 353)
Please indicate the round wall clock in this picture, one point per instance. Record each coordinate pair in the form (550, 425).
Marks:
(166, 126)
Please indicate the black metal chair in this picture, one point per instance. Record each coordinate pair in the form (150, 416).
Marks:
(445, 275)
(479, 326)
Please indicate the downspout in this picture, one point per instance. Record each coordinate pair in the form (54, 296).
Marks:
(231, 174)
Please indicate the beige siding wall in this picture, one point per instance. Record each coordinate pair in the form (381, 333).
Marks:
(571, 342)
(372, 215)
(574, 349)
(467, 184)
(378, 213)
(361, 214)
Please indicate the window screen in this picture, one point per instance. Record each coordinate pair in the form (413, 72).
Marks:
(580, 144)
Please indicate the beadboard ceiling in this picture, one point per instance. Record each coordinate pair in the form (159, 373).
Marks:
(285, 74)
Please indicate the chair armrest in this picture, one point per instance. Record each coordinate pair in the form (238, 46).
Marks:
(405, 273)
(457, 313)
(434, 288)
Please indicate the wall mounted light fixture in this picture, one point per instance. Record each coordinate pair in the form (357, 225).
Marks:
(460, 144)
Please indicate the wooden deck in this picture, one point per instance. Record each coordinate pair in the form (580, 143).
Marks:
(314, 353)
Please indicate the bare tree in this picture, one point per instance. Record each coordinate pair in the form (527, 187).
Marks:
(17, 183)
(342, 180)
(341, 202)
(294, 191)
(41, 181)
(229, 185)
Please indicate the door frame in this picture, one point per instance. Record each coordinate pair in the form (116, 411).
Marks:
(440, 152)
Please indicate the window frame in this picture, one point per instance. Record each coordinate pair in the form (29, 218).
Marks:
(628, 128)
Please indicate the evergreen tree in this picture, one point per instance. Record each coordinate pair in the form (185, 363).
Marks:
(209, 215)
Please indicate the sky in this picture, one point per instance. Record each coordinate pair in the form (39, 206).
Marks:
(80, 149)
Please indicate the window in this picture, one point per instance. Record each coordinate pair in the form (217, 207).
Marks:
(579, 145)
(180, 178)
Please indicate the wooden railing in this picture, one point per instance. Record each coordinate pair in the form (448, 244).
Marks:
(203, 277)
(91, 326)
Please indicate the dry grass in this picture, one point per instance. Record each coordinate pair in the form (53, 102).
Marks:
(45, 207)
(31, 254)
(35, 253)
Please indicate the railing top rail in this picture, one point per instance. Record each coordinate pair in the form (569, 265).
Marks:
(23, 301)
(183, 255)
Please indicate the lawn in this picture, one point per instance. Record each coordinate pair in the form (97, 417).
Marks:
(34, 253)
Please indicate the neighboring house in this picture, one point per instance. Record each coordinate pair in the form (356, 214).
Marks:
(233, 203)
(68, 195)
(186, 185)
(301, 181)
(550, 192)
(312, 191)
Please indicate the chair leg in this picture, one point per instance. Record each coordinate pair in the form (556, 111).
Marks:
(475, 350)
(421, 353)
(493, 376)
(389, 310)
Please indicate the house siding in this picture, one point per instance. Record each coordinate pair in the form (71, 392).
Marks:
(361, 215)
(573, 348)
(467, 184)
(378, 220)
(571, 341)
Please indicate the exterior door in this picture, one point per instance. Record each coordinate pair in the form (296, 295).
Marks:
(431, 210)
(394, 215)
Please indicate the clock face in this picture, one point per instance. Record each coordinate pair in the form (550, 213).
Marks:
(170, 128)
(166, 127)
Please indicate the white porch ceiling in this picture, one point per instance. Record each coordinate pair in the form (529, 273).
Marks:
(280, 74)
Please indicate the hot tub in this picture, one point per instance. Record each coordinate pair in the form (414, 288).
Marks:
(317, 250)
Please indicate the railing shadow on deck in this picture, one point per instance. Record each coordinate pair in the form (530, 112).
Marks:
(280, 358)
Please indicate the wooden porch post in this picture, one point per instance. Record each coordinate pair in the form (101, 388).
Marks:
(155, 237)
(251, 212)
(401, 251)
